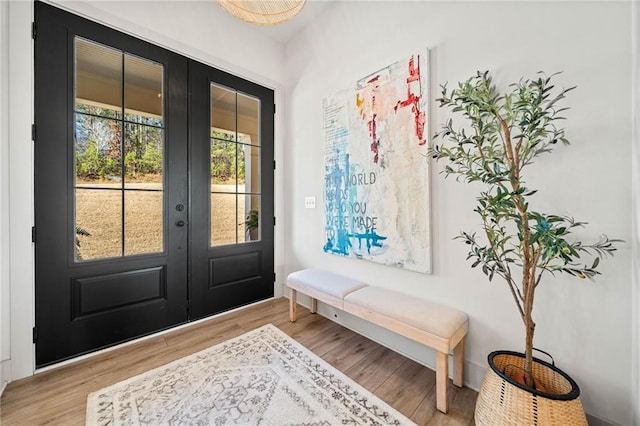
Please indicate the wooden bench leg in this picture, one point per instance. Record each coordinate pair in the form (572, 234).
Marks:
(292, 305)
(458, 364)
(442, 381)
(314, 305)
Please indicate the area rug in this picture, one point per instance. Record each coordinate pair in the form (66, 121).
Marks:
(263, 377)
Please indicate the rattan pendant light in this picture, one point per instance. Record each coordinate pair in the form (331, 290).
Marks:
(262, 12)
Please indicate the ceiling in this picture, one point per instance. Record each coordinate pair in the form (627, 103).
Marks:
(287, 30)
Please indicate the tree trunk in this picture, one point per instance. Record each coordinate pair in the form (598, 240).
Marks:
(529, 285)
(528, 359)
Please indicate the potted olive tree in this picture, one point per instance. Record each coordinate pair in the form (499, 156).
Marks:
(502, 134)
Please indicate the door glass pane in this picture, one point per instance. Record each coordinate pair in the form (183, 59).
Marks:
(98, 78)
(249, 168)
(142, 222)
(118, 95)
(249, 118)
(223, 109)
(249, 209)
(224, 223)
(143, 90)
(235, 167)
(223, 163)
(144, 156)
(98, 223)
(97, 149)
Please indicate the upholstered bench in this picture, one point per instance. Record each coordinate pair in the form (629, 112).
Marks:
(437, 326)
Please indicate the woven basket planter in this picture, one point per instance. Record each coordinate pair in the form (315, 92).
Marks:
(503, 401)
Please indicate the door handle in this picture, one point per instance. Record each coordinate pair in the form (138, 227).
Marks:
(180, 223)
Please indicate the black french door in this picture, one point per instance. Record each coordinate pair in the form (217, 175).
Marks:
(230, 114)
(151, 188)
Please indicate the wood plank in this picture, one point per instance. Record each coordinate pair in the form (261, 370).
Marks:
(327, 342)
(59, 396)
(381, 364)
(406, 388)
(461, 409)
(350, 352)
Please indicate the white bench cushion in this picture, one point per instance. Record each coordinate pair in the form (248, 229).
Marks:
(428, 316)
(335, 285)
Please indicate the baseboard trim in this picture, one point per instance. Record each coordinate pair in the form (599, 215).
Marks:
(597, 421)
(5, 375)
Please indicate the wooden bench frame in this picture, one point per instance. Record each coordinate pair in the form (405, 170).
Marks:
(442, 346)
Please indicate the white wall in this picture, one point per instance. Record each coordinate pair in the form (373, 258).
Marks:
(585, 325)
(20, 187)
(5, 331)
(199, 30)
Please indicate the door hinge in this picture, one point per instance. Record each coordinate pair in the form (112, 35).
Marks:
(274, 277)
(35, 334)
(33, 234)
(33, 30)
(274, 109)
(274, 221)
(33, 132)
(274, 164)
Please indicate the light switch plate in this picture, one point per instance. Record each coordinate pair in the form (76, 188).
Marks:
(309, 202)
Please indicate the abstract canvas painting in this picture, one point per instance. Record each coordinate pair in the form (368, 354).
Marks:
(376, 183)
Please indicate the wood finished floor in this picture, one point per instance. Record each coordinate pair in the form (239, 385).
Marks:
(58, 397)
